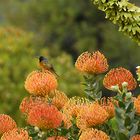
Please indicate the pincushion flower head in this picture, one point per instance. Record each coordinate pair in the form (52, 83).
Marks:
(91, 115)
(6, 123)
(16, 134)
(117, 76)
(108, 105)
(135, 137)
(93, 134)
(29, 102)
(73, 106)
(58, 99)
(40, 83)
(67, 120)
(93, 63)
(137, 105)
(44, 116)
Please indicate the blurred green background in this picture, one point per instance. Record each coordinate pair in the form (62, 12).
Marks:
(59, 30)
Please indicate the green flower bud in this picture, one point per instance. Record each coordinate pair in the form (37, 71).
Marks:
(128, 95)
(115, 88)
(36, 129)
(124, 84)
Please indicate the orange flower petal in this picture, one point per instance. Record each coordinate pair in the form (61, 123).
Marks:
(73, 106)
(93, 134)
(137, 104)
(58, 99)
(6, 123)
(136, 137)
(117, 76)
(108, 105)
(44, 116)
(40, 83)
(92, 63)
(29, 102)
(16, 134)
(91, 115)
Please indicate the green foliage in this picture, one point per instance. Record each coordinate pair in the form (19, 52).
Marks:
(138, 76)
(138, 73)
(39, 134)
(71, 26)
(56, 23)
(34, 132)
(119, 50)
(124, 124)
(93, 85)
(18, 58)
(123, 13)
(69, 78)
(17, 55)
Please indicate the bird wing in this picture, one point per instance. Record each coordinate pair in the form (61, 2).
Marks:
(52, 69)
(45, 60)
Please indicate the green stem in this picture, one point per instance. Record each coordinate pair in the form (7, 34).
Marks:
(93, 87)
(125, 123)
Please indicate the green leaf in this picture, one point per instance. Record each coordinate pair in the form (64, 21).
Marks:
(129, 107)
(122, 136)
(99, 94)
(134, 130)
(113, 123)
(103, 1)
(122, 13)
(121, 104)
(119, 112)
(127, 121)
(132, 115)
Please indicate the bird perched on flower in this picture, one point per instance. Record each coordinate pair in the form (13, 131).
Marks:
(45, 65)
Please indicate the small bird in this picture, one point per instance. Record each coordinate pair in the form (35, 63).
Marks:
(45, 65)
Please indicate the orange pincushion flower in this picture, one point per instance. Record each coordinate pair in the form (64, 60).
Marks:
(91, 115)
(44, 116)
(108, 105)
(117, 76)
(6, 123)
(40, 83)
(16, 134)
(136, 137)
(58, 99)
(29, 102)
(137, 104)
(57, 138)
(67, 120)
(92, 63)
(73, 106)
(93, 134)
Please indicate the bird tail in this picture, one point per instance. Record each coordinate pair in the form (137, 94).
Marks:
(56, 74)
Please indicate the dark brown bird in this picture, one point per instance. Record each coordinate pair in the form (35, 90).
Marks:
(45, 65)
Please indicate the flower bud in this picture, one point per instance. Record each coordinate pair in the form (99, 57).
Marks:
(115, 88)
(124, 84)
(128, 95)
